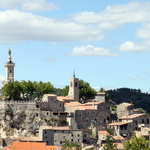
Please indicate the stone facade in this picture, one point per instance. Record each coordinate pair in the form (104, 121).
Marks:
(57, 135)
(9, 65)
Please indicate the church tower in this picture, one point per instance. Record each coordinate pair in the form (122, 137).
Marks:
(74, 88)
(9, 65)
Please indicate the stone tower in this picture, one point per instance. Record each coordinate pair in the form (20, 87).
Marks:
(9, 65)
(74, 88)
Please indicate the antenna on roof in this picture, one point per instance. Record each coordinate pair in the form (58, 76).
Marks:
(74, 73)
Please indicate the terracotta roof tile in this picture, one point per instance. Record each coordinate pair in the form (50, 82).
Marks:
(30, 146)
(132, 116)
(118, 138)
(105, 133)
(118, 123)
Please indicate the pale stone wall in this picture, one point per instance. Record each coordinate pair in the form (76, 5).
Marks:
(124, 109)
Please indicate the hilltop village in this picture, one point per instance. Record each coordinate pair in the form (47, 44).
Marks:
(47, 123)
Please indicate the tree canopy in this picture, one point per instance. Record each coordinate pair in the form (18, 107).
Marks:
(26, 90)
(137, 143)
(110, 143)
(85, 91)
(138, 98)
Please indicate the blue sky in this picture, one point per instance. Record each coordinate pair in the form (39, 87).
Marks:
(106, 42)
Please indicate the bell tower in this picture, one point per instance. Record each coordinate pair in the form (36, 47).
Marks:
(74, 88)
(9, 65)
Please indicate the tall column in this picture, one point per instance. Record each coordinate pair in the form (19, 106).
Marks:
(74, 88)
(9, 65)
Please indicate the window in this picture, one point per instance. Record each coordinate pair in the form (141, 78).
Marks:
(45, 132)
(76, 84)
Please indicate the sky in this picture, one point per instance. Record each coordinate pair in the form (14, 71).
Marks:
(107, 43)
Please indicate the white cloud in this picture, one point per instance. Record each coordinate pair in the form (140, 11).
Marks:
(90, 50)
(135, 78)
(38, 5)
(34, 5)
(144, 31)
(115, 15)
(132, 47)
(20, 26)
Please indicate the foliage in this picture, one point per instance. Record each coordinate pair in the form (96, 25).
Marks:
(110, 143)
(65, 90)
(137, 143)
(107, 96)
(63, 122)
(139, 99)
(67, 145)
(11, 90)
(86, 91)
(26, 90)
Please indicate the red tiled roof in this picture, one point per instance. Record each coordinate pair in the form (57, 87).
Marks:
(30, 146)
(118, 138)
(105, 133)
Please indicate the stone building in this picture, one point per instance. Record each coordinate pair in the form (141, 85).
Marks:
(57, 135)
(124, 109)
(74, 88)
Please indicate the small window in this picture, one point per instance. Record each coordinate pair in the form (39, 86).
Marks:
(76, 84)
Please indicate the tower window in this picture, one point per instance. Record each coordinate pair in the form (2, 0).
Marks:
(76, 84)
(10, 71)
(71, 84)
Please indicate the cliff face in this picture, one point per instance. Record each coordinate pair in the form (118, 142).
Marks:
(16, 121)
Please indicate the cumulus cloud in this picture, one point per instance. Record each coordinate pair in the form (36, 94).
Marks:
(117, 14)
(132, 47)
(34, 5)
(20, 26)
(90, 50)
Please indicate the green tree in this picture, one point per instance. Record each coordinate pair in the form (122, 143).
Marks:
(65, 90)
(42, 88)
(137, 143)
(110, 143)
(67, 145)
(27, 89)
(12, 90)
(86, 91)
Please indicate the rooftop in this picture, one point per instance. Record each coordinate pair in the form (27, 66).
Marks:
(118, 123)
(105, 133)
(30, 146)
(132, 116)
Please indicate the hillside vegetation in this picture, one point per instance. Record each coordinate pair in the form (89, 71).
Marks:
(138, 98)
